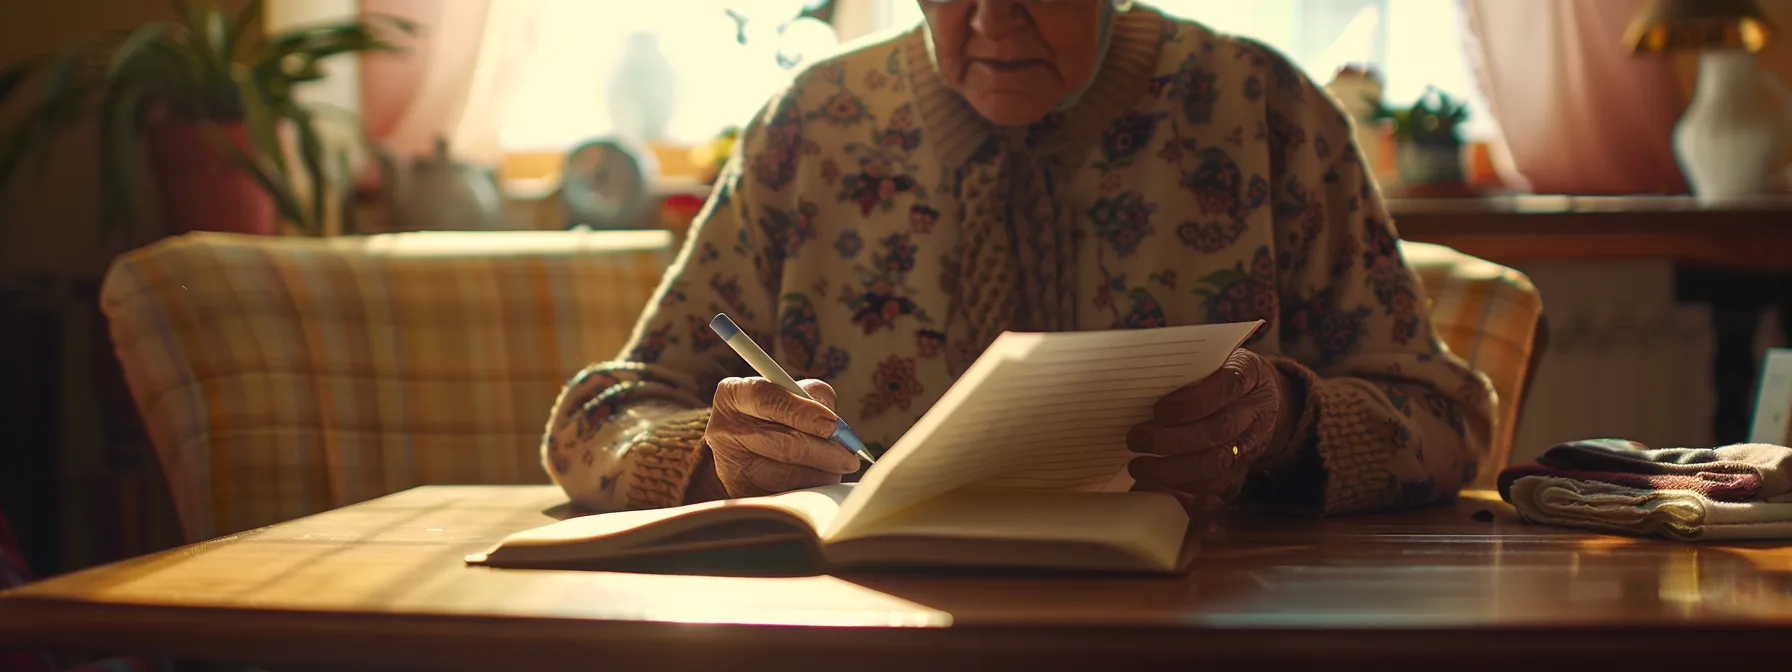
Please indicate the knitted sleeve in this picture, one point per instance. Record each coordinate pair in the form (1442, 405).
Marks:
(629, 433)
(1391, 418)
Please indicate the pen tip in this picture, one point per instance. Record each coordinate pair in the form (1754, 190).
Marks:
(724, 327)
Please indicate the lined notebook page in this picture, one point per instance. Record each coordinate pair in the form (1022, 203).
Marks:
(1040, 412)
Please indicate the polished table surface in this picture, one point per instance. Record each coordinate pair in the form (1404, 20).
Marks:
(382, 583)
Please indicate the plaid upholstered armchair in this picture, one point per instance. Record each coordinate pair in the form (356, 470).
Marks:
(279, 378)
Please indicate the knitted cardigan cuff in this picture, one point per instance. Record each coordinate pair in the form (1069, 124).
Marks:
(664, 458)
(1336, 423)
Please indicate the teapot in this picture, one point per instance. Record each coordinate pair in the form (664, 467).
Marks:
(437, 193)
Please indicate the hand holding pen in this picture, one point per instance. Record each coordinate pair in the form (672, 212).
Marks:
(774, 434)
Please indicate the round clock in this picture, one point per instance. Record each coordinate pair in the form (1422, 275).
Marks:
(608, 184)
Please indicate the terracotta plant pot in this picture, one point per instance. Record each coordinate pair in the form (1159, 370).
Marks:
(198, 186)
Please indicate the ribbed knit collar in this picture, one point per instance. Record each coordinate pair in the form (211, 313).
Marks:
(956, 130)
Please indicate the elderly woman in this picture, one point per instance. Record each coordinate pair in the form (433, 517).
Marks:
(1038, 165)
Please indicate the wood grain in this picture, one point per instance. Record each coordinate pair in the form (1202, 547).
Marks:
(382, 584)
(1751, 234)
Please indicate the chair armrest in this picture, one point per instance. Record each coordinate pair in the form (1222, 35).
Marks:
(281, 377)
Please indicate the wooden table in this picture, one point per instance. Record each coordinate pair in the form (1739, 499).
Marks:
(382, 583)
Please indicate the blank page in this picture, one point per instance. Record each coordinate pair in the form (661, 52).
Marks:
(1040, 412)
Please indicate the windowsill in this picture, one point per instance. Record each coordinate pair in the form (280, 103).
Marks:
(536, 174)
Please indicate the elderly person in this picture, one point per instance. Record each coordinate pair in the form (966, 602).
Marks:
(1038, 165)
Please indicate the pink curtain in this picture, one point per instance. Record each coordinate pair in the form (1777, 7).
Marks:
(1579, 113)
(454, 81)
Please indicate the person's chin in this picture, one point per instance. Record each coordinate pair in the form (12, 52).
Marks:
(1010, 108)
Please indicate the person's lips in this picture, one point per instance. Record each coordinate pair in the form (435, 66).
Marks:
(1005, 66)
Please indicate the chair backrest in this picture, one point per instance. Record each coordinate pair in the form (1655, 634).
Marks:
(1492, 317)
(280, 377)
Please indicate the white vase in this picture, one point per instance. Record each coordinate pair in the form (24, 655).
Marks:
(1730, 138)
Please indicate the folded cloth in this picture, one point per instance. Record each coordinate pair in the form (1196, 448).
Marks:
(1719, 487)
(1681, 515)
(1773, 464)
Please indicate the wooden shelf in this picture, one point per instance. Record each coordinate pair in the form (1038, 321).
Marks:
(1750, 234)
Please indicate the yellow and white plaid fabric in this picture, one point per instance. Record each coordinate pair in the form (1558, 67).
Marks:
(1488, 315)
(281, 377)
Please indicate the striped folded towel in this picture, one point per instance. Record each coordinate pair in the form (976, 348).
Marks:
(1734, 492)
(1680, 515)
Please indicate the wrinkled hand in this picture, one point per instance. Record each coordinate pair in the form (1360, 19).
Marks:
(766, 440)
(1203, 438)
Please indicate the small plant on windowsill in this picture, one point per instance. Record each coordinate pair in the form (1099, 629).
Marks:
(1428, 139)
(192, 115)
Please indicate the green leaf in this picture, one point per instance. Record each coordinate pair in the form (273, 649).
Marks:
(262, 121)
(12, 76)
(141, 42)
(233, 38)
(126, 199)
(311, 154)
(61, 79)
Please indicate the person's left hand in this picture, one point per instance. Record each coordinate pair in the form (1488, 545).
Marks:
(1203, 438)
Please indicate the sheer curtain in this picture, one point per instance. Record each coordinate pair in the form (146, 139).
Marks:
(1595, 119)
(457, 80)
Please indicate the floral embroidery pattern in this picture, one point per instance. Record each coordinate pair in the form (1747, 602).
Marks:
(1212, 236)
(1442, 407)
(787, 232)
(901, 134)
(674, 295)
(774, 165)
(1297, 242)
(1130, 135)
(1317, 319)
(799, 341)
(876, 185)
(882, 297)
(1285, 138)
(922, 219)
(1195, 87)
(1241, 294)
(1391, 281)
(884, 167)
(1287, 77)
(1123, 221)
(929, 342)
(849, 243)
(844, 108)
(893, 385)
(703, 338)
(1217, 182)
(1145, 313)
(652, 344)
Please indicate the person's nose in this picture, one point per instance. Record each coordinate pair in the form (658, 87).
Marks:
(995, 20)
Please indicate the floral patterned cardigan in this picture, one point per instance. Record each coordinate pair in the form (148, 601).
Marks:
(1217, 184)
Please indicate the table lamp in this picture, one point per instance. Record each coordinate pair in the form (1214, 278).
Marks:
(1729, 139)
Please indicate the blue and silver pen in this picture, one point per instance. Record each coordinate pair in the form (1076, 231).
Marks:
(761, 362)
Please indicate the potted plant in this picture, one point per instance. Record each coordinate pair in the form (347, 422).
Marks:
(195, 116)
(1427, 140)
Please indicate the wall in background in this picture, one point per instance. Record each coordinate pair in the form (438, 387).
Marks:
(53, 221)
(104, 477)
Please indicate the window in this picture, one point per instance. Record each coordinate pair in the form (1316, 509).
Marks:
(680, 71)
(1412, 43)
(671, 73)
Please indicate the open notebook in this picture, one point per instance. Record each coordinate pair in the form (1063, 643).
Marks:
(1021, 464)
